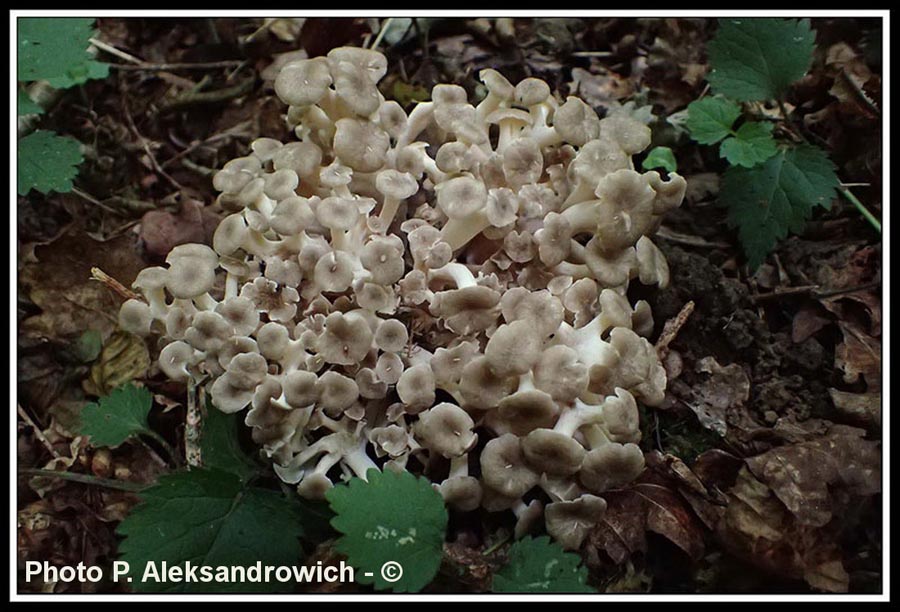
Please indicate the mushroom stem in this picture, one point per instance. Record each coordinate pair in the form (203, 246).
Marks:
(205, 302)
(574, 418)
(459, 273)
(458, 232)
(582, 216)
(232, 284)
(358, 461)
(459, 467)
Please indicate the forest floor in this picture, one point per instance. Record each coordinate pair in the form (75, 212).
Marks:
(775, 390)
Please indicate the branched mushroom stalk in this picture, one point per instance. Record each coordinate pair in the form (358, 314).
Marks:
(388, 284)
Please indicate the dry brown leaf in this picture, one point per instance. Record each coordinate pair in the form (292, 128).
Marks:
(803, 476)
(757, 527)
(644, 507)
(719, 396)
(861, 408)
(124, 357)
(60, 284)
(859, 355)
(161, 230)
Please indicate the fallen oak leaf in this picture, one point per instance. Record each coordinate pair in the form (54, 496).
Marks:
(802, 475)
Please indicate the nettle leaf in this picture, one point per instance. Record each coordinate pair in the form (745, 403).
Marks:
(55, 49)
(80, 74)
(537, 565)
(47, 162)
(26, 106)
(208, 517)
(710, 119)
(394, 517)
(758, 58)
(660, 157)
(752, 144)
(766, 201)
(118, 416)
(220, 447)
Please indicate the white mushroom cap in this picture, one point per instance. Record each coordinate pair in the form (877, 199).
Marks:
(446, 429)
(416, 388)
(569, 522)
(303, 82)
(504, 469)
(135, 317)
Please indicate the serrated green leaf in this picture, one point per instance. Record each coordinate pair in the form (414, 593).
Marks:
(394, 517)
(80, 74)
(47, 162)
(118, 416)
(26, 106)
(710, 119)
(752, 144)
(55, 49)
(758, 58)
(537, 565)
(220, 447)
(207, 517)
(660, 157)
(766, 201)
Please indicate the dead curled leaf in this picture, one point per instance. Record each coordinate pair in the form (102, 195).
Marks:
(123, 358)
(789, 504)
(757, 527)
(60, 284)
(162, 230)
(801, 475)
(644, 507)
(725, 391)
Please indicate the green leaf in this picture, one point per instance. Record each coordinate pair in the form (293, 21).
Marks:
(26, 106)
(118, 416)
(660, 157)
(83, 73)
(207, 517)
(220, 447)
(55, 49)
(766, 201)
(394, 517)
(758, 58)
(710, 119)
(88, 346)
(47, 162)
(752, 144)
(537, 565)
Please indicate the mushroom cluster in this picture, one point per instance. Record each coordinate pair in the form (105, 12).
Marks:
(442, 291)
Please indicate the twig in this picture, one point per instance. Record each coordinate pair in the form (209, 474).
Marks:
(231, 133)
(191, 98)
(179, 66)
(812, 290)
(37, 431)
(671, 329)
(173, 454)
(114, 51)
(93, 200)
(688, 240)
(192, 423)
(109, 483)
(381, 32)
(861, 208)
(144, 144)
(99, 275)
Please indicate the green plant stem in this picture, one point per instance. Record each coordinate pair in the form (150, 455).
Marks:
(173, 456)
(861, 208)
(109, 483)
(495, 546)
